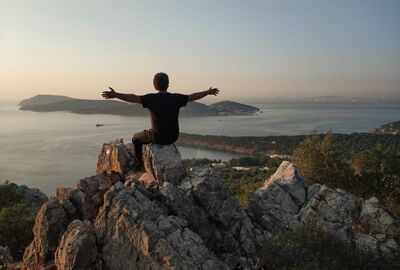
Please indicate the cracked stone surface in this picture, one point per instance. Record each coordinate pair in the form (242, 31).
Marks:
(167, 218)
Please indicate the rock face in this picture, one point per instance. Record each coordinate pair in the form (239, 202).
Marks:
(163, 163)
(34, 197)
(114, 158)
(285, 202)
(77, 248)
(51, 221)
(167, 218)
(276, 204)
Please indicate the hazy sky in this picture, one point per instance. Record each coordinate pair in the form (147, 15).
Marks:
(249, 49)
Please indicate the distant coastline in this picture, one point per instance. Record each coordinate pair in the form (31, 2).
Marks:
(53, 103)
(389, 128)
(284, 144)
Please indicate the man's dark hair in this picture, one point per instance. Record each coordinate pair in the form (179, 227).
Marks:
(161, 81)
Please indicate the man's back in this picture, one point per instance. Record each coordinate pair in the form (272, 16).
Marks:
(164, 110)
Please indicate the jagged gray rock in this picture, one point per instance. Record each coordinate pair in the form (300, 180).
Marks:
(384, 224)
(379, 219)
(94, 187)
(135, 231)
(166, 218)
(330, 209)
(277, 203)
(34, 197)
(162, 163)
(216, 216)
(114, 158)
(51, 221)
(77, 249)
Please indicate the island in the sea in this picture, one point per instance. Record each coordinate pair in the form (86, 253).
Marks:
(53, 103)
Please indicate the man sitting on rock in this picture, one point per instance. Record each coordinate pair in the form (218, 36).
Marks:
(164, 111)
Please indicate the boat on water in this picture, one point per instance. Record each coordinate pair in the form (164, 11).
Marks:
(99, 125)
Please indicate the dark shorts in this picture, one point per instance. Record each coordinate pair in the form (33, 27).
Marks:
(148, 136)
(145, 136)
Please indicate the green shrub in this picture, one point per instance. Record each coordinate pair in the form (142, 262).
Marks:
(377, 174)
(311, 248)
(16, 223)
(16, 220)
(9, 195)
(320, 162)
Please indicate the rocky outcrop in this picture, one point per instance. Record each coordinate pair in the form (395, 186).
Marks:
(216, 216)
(78, 248)
(285, 202)
(163, 163)
(167, 218)
(51, 221)
(114, 158)
(135, 231)
(276, 204)
(34, 197)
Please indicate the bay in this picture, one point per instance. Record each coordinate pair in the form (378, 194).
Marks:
(47, 150)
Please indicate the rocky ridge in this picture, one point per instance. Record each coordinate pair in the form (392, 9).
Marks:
(168, 218)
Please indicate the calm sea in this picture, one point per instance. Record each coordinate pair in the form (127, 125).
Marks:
(47, 150)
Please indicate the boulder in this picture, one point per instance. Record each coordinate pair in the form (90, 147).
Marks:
(114, 158)
(63, 195)
(77, 249)
(34, 197)
(95, 186)
(162, 163)
(383, 224)
(51, 221)
(84, 205)
(276, 204)
(329, 209)
(367, 242)
(379, 219)
(138, 233)
(214, 213)
(76, 203)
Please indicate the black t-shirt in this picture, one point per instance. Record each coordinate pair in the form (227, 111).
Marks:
(164, 111)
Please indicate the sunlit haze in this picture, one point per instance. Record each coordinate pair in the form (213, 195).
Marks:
(248, 49)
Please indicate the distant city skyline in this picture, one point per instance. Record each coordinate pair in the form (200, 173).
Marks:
(248, 49)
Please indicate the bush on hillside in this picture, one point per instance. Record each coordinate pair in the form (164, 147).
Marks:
(311, 248)
(377, 174)
(9, 195)
(372, 172)
(16, 220)
(320, 162)
(16, 223)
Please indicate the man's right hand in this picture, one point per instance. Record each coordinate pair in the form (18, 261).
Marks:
(213, 91)
(109, 94)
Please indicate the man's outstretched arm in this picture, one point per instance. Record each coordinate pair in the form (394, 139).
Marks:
(199, 95)
(125, 97)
